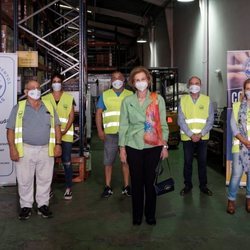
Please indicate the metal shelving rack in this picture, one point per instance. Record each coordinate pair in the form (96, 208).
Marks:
(59, 30)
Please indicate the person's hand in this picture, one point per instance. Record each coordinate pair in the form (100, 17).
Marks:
(247, 143)
(101, 135)
(164, 153)
(57, 151)
(63, 132)
(14, 155)
(195, 137)
(198, 136)
(123, 155)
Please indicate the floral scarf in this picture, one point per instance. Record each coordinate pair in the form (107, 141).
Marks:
(152, 126)
(242, 123)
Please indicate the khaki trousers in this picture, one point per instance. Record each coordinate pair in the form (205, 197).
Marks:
(36, 163)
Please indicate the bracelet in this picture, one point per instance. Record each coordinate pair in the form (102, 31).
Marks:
(165, 146)
(58, 143)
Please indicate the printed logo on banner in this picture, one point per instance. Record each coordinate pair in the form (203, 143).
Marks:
(233, 96)
(4, 80)
(2, 87)
(8, 79)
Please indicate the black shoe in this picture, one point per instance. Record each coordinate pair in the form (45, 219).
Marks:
(25, 213)
(44, 212)
(126, 191)
(151, 221)
(107, 192)
(206, 191)
(137, 222)
(185, 191)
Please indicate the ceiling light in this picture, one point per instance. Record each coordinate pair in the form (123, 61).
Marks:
(142, 38)
(186, 1)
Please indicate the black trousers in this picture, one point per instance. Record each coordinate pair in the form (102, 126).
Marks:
(200, 148)
(142, 165)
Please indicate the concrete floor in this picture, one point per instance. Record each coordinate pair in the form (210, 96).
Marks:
(195, 221)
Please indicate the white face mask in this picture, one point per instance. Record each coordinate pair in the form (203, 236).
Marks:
(247, 93)
(194, 89)
(141, 86)
(117, 84)
(56, 86)
(34, 94)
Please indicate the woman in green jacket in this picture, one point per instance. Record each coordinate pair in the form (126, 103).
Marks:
(143, 136)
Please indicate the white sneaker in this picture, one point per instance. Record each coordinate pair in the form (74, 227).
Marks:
(68, 194)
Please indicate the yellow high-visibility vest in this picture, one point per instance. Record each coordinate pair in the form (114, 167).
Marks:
(19, 128)
(196, 114)
(111, 115)
(236, 142)
(63, 109)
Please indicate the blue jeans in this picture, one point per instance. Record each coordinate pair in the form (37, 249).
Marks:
(200, 147)
(237, 171)
(66, 161)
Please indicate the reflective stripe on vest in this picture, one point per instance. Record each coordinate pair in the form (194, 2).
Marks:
(19, 130)
(111, 124)
(196, 114)
(236, 142)
(63, 109)
(195, 131)
(63, 120)
(111, 115)
(189, 121)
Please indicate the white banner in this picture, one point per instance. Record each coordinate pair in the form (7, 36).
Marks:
(238, 70)
(8, 98)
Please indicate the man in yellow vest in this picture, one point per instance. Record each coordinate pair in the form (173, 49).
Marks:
(34, 137)
(107, 122)
(64, 103)
(195, 118)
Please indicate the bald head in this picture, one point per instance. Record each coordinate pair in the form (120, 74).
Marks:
(32, 84)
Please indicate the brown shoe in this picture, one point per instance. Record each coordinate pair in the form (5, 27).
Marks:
(248, 205)
(231, 207)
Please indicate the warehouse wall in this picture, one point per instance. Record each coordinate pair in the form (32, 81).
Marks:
(228, 30)
(187, 40)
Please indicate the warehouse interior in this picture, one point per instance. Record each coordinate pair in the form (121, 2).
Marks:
(86, 41)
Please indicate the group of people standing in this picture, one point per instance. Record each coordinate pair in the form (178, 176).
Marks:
(137, 121)
(132, 123)
(128, 117)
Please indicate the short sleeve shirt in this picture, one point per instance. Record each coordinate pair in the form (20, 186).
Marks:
(36, 124)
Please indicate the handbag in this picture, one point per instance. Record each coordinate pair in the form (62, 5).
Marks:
(165, 186)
